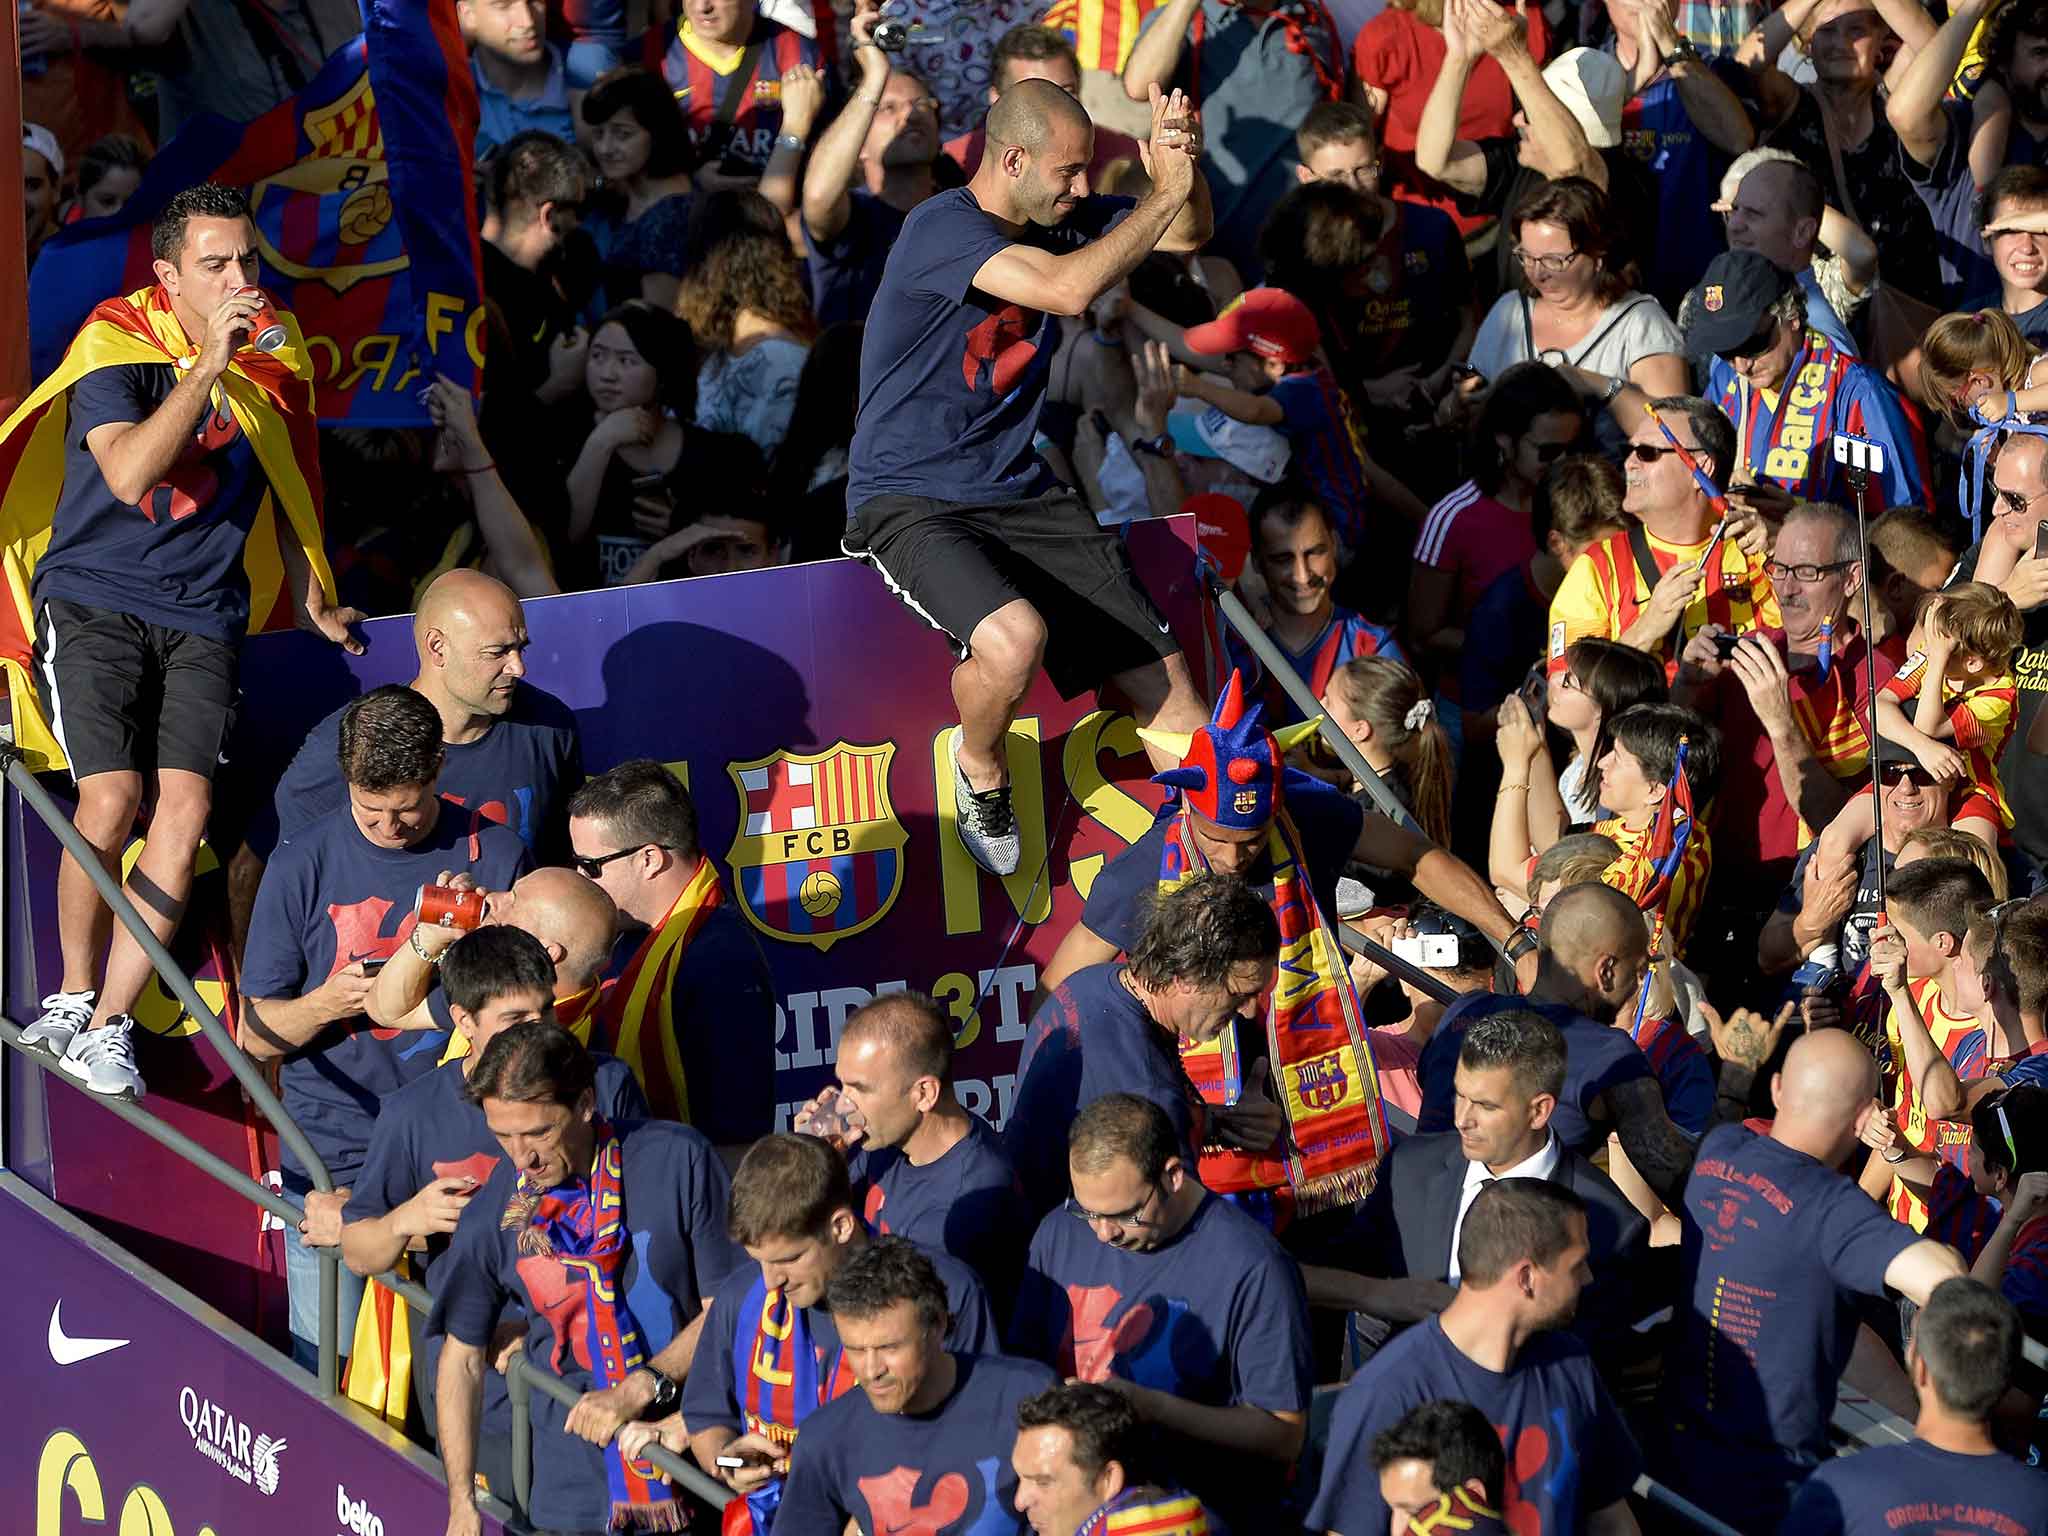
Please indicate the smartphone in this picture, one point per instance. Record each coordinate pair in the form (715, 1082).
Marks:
(1724, 645)
(1466, 371)
(2041, 540)
(1536, 694)
(645, 483)
(1435, 951)
(750, 1459)
(372, 967)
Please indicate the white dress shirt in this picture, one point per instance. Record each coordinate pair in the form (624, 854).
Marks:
(1541, 1165)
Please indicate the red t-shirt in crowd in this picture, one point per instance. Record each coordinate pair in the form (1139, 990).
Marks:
(1470, 536)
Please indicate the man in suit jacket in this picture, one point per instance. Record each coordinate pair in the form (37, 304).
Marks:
(1511, 1068)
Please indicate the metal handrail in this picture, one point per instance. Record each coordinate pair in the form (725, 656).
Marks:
(246, 1071)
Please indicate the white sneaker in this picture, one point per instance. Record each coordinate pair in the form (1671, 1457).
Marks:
(103, 1059)
(64, 1015)
(987, 822)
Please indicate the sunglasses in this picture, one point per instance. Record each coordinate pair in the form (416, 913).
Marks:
(588, 868)
(1550, 453)
(1905, 773)
(1649, 453)
(2014, 501)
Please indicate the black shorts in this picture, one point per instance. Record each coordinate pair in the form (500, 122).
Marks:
(123, 695)
(955, 565)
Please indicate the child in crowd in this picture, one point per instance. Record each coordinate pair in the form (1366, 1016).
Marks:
(1960, 679)
(1934, 1038)
(1636, 775)
(1272, 348)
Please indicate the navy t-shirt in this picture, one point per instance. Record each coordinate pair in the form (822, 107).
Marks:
(1120, 901)
(2032, 323)
(710, 1392)
(1217, 1316)
(1569, 1453)
(1917, 1489)
(951, 378)
(1950, 193)
(328, 899)
(1775, 1247)
(846, 270)
(723, 1002)
(520, 773)
(675, 1194)
(1089, 1038)
(943, 1473)
(175, 558)
(1597, 1057)
(967, 1202)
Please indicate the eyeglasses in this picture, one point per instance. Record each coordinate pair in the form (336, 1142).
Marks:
(1757, 345)
(1570, 681)
(1649, 453)
(588, 868)
(1905, 773)
(2014, 501)
(1548, 264)
(1129, 1218)
(1777, 570)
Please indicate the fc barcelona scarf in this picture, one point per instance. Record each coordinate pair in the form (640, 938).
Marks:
(582, 1226)
(270, 395)
(1329, 1091)
(1148, 1512)
(779, 1380)
(638, 1010)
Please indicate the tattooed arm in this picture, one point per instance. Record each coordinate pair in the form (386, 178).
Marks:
(1659, 1151)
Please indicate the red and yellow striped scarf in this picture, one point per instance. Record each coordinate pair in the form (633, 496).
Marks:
(638, 1010)
(271, 397)
(1329, 1090)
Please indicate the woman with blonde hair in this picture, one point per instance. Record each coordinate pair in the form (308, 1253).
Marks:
(1950, 843)
(1382, 706)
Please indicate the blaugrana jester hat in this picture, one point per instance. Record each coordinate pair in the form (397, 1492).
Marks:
(1232, 770)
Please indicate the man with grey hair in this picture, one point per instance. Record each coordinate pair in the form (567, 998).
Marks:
(1779, 695)
(1774, 205)
(1789, 390)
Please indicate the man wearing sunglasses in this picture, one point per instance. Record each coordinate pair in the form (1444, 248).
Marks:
(692, 1011)
(1831, 899)
(1788, 389)
(1144, 1276)
(1645, 584)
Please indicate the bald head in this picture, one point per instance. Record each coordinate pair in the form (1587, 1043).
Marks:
(913, 1028)
(1828, 1080)
(1587, 920)
(567, 913)
(1028, 114)
(471, 636)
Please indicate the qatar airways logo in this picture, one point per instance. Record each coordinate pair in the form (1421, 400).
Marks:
(228, 1442)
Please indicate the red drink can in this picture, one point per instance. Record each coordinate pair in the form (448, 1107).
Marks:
(266, 332)
(448, 906)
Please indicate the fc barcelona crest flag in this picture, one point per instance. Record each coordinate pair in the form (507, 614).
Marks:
(362, 192)
(818, 853)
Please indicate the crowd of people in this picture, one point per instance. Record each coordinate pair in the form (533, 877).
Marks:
(1632, 411)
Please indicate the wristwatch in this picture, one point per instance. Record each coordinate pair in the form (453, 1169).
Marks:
(1518, 944)
(789, 141)
(1682, 52)
(1161, 445)
(1614, 387)
(668, 1392)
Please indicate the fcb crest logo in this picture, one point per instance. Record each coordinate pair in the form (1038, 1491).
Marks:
(818, 852)
(1711, 300)
(328, 217)
(1322, 1082)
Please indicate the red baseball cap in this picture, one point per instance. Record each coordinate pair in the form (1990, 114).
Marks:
(1269, 321)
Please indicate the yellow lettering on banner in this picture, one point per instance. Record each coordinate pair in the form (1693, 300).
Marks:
(374, 353)
(143, 1513)
(473, 336)
(1093, 734)
(157, 1010)
(1789, 457)
(66, 1467)
(441, 310)
(959, 876)
(323, 345)
(957, 991)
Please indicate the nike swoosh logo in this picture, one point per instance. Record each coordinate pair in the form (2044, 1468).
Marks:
(66, 1350)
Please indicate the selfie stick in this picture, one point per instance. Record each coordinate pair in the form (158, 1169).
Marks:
(1861, 458)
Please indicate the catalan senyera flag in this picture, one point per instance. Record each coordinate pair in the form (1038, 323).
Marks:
(1102, 31)
(362, 190)
(271, 398)
(380, 1354)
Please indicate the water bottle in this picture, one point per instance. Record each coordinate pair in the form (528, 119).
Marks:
(1822, 969)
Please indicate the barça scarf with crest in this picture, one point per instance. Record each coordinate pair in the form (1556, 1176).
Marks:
(581, 1225)
(780, 1377)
